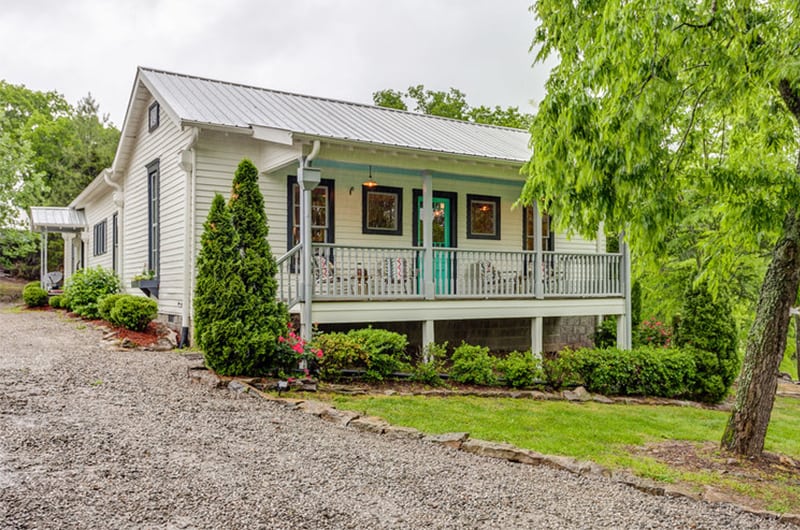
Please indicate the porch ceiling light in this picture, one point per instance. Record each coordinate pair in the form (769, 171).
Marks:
(370, 183)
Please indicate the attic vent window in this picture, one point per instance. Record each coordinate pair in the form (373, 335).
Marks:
(153, 118)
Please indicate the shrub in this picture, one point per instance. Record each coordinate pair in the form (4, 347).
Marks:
(340, 351)
(644, 371)
(106, 303)
(707, 324)
(557, 369)
(386, 351)
(262, 315)
(133, 312)
(605, 336)
(428, 370)
(292, 350)
(34, 295)
(521, 369)
(472, 365)
(56, 301)
(654, 333)
(84, 288)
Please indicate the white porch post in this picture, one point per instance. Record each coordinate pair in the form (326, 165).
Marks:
(427, 335)
(427, 234)
(67, 237)
(43, 261)
(538, 285)
(537, 336)
(624, 322)
(307, 179)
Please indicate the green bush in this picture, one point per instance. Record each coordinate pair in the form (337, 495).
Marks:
(472, 365)
(429, 371)
(708, 324)
(605, 336)
(34, 295)
(386, 351)
(521, 369)
(644, 371)
(340, 351)
(133, 312)
(106, 303)
(557, 369)
(56, 301)
(84, 288)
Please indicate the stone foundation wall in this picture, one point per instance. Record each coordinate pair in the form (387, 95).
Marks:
(500, 335)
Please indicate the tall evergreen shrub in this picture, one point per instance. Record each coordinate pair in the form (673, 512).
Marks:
(218, 294)
(708, 325)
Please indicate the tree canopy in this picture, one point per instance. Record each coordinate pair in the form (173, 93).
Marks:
(657, 106)
(451, 104)
(50, 149)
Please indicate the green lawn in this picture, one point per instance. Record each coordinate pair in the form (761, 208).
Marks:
(592, 431)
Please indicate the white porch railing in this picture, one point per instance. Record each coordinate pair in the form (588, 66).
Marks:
(370, 273)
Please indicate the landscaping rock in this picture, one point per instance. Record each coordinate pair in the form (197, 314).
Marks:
(599, 398)
(402, 433)
(163, 344)
(338, 417)
(449, 439)
(316, 408)
(127, 343)
(369, 424)
(580, 394)
(237, 387)
(205, 377)
(502, 450)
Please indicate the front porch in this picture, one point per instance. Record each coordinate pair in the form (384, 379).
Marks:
(361, 284)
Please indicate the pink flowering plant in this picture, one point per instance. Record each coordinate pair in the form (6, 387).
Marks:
(653, 332)
(295, 353)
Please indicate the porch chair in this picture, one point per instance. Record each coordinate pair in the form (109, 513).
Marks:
(53, 280)
(485, 278)
(398, 275)
(324, 274)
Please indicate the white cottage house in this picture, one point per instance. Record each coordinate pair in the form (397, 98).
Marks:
(377, 216)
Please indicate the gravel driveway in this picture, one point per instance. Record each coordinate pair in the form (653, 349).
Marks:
(92, 438)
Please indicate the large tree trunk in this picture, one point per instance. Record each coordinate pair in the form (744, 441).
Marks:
(766, 342)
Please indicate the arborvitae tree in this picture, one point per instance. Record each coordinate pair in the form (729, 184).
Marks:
(263, 316)
(708, 324)
(218, 295)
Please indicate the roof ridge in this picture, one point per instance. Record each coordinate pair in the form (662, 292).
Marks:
(331, 100)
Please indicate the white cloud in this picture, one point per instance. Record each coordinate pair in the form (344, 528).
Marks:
(345, 49)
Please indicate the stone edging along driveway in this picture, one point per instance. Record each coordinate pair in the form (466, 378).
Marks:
(462, 441)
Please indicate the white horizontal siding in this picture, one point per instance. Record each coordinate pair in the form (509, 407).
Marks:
(163, 144)
(98, 210)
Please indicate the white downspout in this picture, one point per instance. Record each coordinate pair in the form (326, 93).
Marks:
(305, 216)
(187, 161)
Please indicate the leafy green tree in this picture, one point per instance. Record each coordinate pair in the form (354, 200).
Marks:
(655, 104)
(49, 150)
(218, 293)
(263, 316)
(451, 104)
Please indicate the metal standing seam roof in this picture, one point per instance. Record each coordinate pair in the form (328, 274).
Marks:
(57, 219)
(205, 101)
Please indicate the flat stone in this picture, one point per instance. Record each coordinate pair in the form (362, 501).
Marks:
(793, 518)
(503, 451)
(238, 387)
(402, 433)
(579, 394)
(205, 377)
(338, 417)
(163, 344)
(369, 424)
(316, 408)
(449, 439)
(599, 398)
(128, 343)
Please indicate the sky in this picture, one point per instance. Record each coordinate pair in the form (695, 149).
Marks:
(343, 49)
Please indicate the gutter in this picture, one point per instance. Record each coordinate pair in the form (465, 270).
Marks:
(187, 161)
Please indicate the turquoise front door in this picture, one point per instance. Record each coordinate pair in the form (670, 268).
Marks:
(442, 238)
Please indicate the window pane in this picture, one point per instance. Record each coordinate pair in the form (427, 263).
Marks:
(483, 218)
(382, 211)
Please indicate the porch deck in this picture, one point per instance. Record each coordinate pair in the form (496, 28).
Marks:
(358, 273)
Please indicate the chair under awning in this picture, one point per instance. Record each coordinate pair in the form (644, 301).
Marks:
(46, 219)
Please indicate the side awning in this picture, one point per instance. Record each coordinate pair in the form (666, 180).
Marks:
(55, 219)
